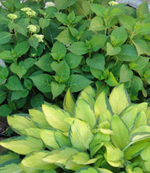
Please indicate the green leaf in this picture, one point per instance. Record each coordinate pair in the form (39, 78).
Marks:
(77, 82)
(20, 122)
(102, 104)
(139, 64)
(97, 42)
(65, 37)
(98, 9)
(44, 63)
(50, 12)
(14, 84)
(80, 135)
(3, 74)
(112, 50)
(119, 99)
(44, 22)
(145, 154)
(84, 112)
(62, 71)
(7, 156)
(58, 51)
(21, 48)
(42, 82)
(128, 53)
(114, 156)
(56, 117)
(21, 26)
(78, 48)
(5, 37)
(60, 156)
(22, 144)
(111, 81)
(57, 89)
(19, 69)
(143, 29)
(97, 24)
(68, 103)
(2, 96)
(37, 100)
(127, 21)
(142, 10)
(16, 95)
(38, 117)
(5, 110)
(118, 36)
(6, 55)
(141, 46)
(120, 137)
(96, 62)
(61, 17)
(33, 41)
(34, 160)
(73, 60)
(125, 73)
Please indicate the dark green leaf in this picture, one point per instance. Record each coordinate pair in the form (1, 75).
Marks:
(2, 96)
(21, 26)
(42, 82)
(78, 48)
(125, 73)
(98, 9)
(44, 22)
(37, 100)
(5, 37)
(33, 41)
(6, 55)
(57, 89)
(5, 110)
(14, 84)
(77, 82)
(21, 48)
(127, 21)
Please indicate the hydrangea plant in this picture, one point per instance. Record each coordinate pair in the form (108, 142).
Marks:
(49, 47)
(92, 135)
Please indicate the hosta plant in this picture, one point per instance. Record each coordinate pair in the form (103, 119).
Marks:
(93, 135)
(71, 44)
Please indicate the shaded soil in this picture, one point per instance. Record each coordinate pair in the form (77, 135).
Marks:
(3, 129)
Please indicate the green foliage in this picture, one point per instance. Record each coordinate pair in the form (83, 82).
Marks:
(69, 45)
(94, 135)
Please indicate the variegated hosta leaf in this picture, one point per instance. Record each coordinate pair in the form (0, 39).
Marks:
(38, 117)
(145, 155)
(34, 160)
(20, 122)
(120, 138)
(87, 170)
(60, 156)
(97, 142)
(88, 98)
(135, 149)
(84, 112)
(48, 137)
(13, 168)
(102, 104)
(68, 103)
(114, 156)
(80, 135)
(55, 117)
(22, 144)
(119, 99)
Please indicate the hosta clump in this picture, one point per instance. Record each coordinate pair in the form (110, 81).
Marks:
(94, 135)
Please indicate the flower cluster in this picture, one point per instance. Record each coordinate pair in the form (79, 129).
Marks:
(32, 28)
(112, 3)
(40, 37)
(12, 16)
(29, 11)
(49, 4)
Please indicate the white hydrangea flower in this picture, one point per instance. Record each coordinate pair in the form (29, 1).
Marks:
(31, 13)
(32, 28)
(25, 9)
(12, 16)
(40, 37)
(112, 3)
(49, 4)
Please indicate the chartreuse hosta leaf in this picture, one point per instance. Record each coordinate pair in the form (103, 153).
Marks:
(119, 99)
(87, 136)
(55, 117)
(80, 131)
(23, 144)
